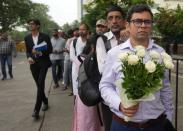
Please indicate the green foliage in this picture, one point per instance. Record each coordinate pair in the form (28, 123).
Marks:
(17, 35)
(170, 23)
(39, 11)
(16, 12)
(66, 27)
(96, 9)
(13, 13)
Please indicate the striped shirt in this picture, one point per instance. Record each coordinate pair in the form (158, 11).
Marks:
(7, 47)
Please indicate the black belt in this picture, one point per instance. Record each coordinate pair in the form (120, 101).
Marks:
(147, 124)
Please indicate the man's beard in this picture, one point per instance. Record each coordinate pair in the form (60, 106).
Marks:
(56, 35)
(116, 29)
(100, 33)
(82, 34)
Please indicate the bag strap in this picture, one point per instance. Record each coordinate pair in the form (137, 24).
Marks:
(74, 44)
(81, 56)
(99, 115)
(107, 42)
(107, 45)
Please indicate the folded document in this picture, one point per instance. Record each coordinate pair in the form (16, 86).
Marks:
(41, 47)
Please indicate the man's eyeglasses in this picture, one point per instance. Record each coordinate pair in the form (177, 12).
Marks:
(139, 22)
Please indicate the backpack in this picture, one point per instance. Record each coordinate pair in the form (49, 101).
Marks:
(89, 77)
(107, 43)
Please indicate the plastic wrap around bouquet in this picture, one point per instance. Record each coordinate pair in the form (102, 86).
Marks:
(41, 47)
(140, 79)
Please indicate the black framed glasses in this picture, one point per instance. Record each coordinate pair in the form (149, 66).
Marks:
(139, 22)
(31, 23)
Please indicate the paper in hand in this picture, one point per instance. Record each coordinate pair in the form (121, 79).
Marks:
(41, 47)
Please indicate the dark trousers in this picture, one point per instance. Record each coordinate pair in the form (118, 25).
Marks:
(6, 58)
(57, 70)
(39, 75)
(107, 117)
(116, 126)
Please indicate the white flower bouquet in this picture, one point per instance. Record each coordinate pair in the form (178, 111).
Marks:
(141, 80)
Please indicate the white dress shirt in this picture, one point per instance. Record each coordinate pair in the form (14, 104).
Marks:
(35, 39)
(110, 94)
(75, 62)
(101, 51)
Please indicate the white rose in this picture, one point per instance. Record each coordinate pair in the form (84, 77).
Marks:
(139, 47)
(166, 56)
(133, 59)
(154, 55)
(168, 64)
(150, 66)
(123, 56)
(141, 52)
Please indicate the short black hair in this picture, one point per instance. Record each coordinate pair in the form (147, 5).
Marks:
(86, 25)
(55, 30)
(115, 8)
(138, 9)
(36, 21)
(75, 29)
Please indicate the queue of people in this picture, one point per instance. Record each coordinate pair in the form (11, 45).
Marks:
(122, 32)
(123, 35)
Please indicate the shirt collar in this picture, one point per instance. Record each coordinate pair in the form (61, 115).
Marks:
(151, 44)
(127, 45)
(109, 35)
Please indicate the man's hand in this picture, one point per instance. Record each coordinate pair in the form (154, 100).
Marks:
(65, 50)
(31, 61)
(55, 52)
(35, 52)
(130, 111)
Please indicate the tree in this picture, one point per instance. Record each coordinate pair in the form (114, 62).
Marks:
(13, 13)
(169, 23)
(96, 9)
(17, 35)
(67, 27)
(75, 24)
(39, 11)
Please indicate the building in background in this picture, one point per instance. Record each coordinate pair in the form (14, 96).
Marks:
(172, 4)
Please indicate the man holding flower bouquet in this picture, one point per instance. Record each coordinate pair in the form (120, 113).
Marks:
(135, 81)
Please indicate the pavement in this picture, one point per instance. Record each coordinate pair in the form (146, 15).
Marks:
(18, 96)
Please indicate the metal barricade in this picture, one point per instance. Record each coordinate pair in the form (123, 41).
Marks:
(176, 58)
